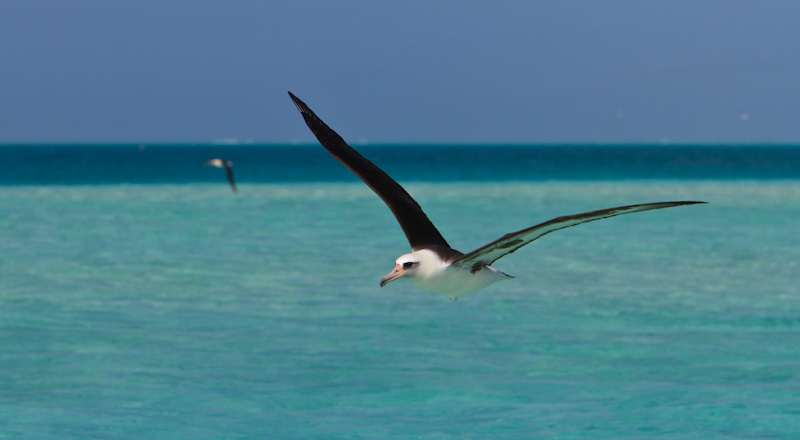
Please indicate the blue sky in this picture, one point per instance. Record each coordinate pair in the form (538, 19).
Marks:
(410, 71)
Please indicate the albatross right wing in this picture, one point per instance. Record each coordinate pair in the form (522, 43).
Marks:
(229, 174)
(509, 243)
(418, 229)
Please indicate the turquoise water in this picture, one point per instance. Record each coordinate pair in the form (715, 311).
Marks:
(178, 310)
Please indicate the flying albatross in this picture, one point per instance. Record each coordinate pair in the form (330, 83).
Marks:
(225, 165)
(433, 265)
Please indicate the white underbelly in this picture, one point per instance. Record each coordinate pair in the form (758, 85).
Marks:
(454, 282)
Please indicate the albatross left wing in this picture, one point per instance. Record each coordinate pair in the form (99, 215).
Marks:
(419, 230)
(509, 243)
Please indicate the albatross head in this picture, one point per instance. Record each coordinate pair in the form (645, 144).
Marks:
(219, 163)
(419, 264)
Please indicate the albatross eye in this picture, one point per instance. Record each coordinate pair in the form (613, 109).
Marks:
(408, 265)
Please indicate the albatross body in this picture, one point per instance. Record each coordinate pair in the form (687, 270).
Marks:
(435, 272)
(433, 265)
(225, 165)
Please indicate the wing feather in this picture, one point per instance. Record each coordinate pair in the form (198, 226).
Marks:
(229, 174)
(419, 230)
(509, 243)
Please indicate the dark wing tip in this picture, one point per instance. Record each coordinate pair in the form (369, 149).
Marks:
(300, 105)
(690, 202)
(312, 120)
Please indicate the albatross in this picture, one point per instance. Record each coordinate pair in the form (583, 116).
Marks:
(226, 165)
(432, 264)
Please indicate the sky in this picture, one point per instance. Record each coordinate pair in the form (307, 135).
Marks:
(443, 71)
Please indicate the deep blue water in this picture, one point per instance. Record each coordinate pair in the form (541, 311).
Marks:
(103, 164)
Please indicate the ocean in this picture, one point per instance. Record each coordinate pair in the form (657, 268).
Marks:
(141, 298)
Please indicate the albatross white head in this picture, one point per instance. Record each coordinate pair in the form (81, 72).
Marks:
(416, 267)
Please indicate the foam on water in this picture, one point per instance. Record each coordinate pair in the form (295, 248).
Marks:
(182, 311)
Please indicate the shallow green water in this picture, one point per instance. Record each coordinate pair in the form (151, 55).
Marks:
(181, 311)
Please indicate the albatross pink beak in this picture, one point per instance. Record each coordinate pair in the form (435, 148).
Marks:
(393, 275)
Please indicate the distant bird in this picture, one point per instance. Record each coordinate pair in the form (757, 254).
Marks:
(433, 265)
(227, 166)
